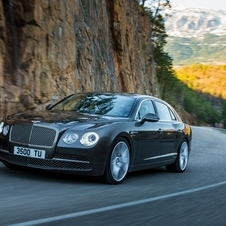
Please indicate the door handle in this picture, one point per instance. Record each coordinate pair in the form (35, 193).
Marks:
(160, 131)
(179, 131)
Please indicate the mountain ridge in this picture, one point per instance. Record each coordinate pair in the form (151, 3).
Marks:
(193, 22)
(196, 35)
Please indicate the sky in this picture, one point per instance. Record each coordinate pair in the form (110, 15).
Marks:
(207, 4)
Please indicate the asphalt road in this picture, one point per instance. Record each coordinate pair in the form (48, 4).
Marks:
(151, 197)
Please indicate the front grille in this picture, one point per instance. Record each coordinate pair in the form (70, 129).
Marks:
(50, 164)
(72, 157)
(33, 135)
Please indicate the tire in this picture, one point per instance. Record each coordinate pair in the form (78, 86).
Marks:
(118, 163)
(181, 162)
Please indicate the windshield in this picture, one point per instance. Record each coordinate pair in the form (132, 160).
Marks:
(101, 104)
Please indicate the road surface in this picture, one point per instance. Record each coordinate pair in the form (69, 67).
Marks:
(150, 197)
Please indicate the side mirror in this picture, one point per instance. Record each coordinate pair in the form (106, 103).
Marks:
(150, 117)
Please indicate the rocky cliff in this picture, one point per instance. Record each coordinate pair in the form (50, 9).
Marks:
(52, 48)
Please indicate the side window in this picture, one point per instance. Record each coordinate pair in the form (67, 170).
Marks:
(163, 111)
(174, 118)
(145, 107)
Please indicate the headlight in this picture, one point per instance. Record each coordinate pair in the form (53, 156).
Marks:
(89, 139)
(1, 126)
(5, 130)
(70, 138)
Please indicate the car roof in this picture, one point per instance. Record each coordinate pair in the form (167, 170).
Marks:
(132, 95)
(135, 96)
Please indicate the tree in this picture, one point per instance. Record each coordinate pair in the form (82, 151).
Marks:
(160, 61)
(142, 2)
(224, 114)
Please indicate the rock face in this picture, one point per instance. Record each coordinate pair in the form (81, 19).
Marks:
(52, 48)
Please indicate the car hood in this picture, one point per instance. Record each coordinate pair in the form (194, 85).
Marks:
(62, 118)
(52, 117)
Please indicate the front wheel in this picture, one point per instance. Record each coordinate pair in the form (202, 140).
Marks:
(181, 162)
(118, 163)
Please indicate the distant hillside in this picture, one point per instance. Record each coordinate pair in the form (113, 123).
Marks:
(205, 79)
(210, 49)
(196, 35)
(204, 93)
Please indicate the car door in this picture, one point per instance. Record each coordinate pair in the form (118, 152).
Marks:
(149, 136)
(172, 130)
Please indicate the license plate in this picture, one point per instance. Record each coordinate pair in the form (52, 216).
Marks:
(29, 152)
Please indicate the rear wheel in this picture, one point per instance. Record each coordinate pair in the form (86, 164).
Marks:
(118, 163)
(181, 162)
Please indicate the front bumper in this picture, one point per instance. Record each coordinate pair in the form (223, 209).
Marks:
(81, 165)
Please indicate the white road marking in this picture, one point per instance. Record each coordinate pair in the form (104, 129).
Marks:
(114, 207)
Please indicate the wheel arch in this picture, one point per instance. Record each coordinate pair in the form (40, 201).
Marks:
(188, 142)
(127, 137)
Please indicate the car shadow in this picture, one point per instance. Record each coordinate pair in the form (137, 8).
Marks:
(147, 172)
(69, 178)
(41, 175)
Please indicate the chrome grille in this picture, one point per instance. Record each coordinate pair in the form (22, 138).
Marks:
(33, 135)
(20, 133)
